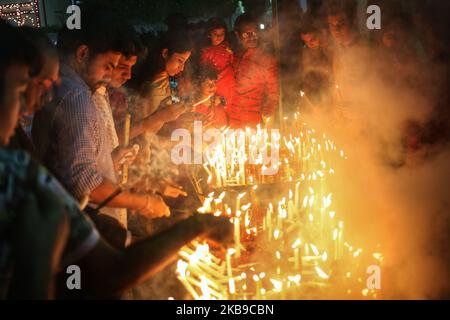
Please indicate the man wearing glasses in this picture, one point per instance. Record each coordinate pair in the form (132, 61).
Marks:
(256, 72)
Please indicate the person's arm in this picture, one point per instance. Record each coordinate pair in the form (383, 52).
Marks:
(153, 123)
(78, 139)
(151, 206)
(41, 229)
(108, 272)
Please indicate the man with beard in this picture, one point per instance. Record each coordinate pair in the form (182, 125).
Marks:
(70, 134)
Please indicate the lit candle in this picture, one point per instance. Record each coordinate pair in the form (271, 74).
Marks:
(238, 201)
(341, 238)
(296, 258)
(231, 283)
(296, 246)
(291, 207)
(278, 256)
(237, 236)
(189, 287)
(269, 220)
(258, 287)
(230, 252)
(297, 195)
(335, 243)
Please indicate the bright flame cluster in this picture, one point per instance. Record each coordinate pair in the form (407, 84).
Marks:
(291, 248)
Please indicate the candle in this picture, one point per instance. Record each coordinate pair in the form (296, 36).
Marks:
(335, 243)
(200, 267)
(230, 252)
(341, 238)
(123, 211)
(291, 207)
(258, 286)
(296, 246)
(237, 236)
(238, 201)
(126, 142)
(296, 258)
(189, 287)
(297, 195)
(269, 220)
(278, 256)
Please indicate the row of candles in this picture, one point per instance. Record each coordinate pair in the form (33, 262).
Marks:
(300, 231)
(246, 157)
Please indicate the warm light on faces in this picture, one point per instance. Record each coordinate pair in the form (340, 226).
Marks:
(39, 88)
(175, 62)
(339, 28)
(208, 87)
(122, 73)
(311, 40)
(13, 94)
(248, 36)
(217, 36)
(98, 70)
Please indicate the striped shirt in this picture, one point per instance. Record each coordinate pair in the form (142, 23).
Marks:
(70, 138)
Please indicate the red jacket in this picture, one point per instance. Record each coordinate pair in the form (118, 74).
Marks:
(257, 88)
(221, 59)
(215, 112)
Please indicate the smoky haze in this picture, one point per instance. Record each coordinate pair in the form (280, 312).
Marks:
(391, 119)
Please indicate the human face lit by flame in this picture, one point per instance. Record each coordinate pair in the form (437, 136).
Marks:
(248, 36)
(311, 40)
(217, 36)
(40, 87)
(12, 95)
(339, 28)
(208, 87)
(122, 73)
(175, 62)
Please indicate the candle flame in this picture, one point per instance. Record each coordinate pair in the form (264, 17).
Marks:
(321, 273)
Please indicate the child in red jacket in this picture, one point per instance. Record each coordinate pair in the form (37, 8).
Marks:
(213, 107)
(219, 56)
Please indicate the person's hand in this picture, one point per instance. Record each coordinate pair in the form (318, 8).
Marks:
(174, 191)
(169, 111)
(155, 207)
(217, 229)
(266, 119)
(124, 155)
(41, 228)
(164, 114)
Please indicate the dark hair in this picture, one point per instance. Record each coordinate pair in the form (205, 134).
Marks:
(129, 42)
(347, 8)
(17, 49)
(204, 73)
(215, 23)
(176, 21)
(174, 42)
(101, 33)
(310, 24)
(244, 19)
(41, 41)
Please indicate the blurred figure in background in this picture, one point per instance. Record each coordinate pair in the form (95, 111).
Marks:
(316, 61)
(39, 90)
(351, 55)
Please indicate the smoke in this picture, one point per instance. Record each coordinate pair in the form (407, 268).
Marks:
(392, 189)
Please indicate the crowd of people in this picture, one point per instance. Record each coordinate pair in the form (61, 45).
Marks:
(65, 108)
